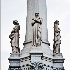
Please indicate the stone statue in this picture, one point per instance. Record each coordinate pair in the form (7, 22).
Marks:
(36, 24)
(57, 41)
(14, 36)
(36, 66)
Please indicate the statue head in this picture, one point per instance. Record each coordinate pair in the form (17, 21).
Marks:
(15, 22)
(56, 22)
(36, 15)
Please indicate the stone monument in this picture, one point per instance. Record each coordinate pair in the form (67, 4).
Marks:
(14, 58)
(36, 53)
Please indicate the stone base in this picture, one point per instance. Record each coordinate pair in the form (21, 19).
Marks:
(58, 61)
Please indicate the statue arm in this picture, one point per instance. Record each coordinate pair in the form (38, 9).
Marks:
(33, 23)
(11, 36)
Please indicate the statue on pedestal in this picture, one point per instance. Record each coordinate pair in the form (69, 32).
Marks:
(36, 24)
(14, 36)
(57, 41)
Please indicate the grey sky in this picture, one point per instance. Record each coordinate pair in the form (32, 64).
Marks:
(17, 9)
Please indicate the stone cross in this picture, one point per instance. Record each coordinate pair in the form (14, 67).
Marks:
(36, 24)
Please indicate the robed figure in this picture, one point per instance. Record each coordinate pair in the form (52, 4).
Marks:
(14, 36)
(36, 24)
(57, 37)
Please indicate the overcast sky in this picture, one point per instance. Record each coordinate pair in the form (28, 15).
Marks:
(17, 10)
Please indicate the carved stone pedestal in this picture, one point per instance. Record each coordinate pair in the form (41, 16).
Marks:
(58, 61)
